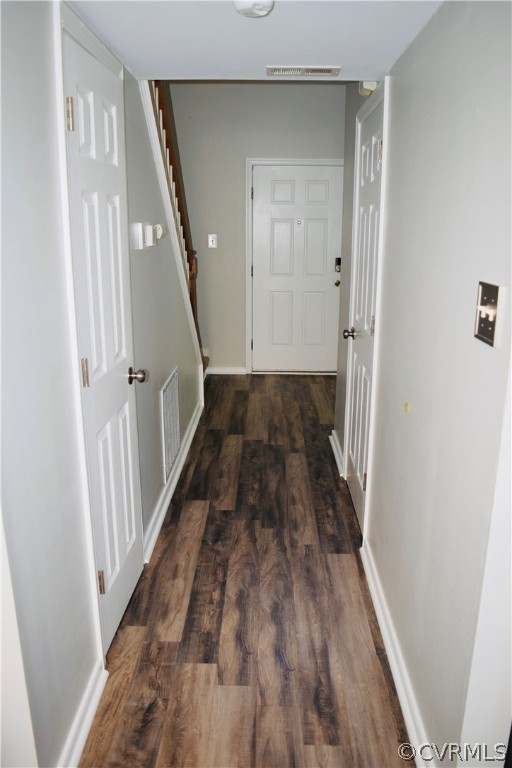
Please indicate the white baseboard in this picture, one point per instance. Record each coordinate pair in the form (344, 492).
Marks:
(338, 453)
(292, 373)
(153, 529)
(225, 370)
(416, 730)
(79, 731)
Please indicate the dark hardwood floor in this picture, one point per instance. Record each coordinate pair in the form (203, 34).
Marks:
(251, 639)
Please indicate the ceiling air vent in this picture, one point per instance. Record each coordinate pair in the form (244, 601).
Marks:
(303, 71)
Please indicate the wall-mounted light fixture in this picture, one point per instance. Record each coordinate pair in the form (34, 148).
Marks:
(254, 9)
(367, 87)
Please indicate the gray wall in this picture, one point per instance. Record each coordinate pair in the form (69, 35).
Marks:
(42, 504)
(218, 127)
(448, 226)
(162, 337)
(353, 102)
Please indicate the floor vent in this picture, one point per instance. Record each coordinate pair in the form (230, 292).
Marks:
(170, 422)
(303, 71)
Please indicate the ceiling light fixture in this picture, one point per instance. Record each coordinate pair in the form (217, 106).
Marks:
(254, 9)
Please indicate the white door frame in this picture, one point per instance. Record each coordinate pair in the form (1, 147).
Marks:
(66, 21)
(381, 94)
(250, 162)
(109, 405)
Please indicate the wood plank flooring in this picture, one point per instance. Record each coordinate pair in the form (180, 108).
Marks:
(251, 639)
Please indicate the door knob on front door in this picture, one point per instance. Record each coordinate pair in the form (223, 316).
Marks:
(140, 376)
(350, 334)
(337, 283)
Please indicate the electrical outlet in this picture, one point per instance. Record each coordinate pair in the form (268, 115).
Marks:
(212, 241)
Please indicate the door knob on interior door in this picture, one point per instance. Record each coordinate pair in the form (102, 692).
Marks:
(140, 376)
(337, 283)
(350, 334)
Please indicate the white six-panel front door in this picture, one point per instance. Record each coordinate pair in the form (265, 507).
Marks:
(365, 253)
(296, 240)
(99, 230)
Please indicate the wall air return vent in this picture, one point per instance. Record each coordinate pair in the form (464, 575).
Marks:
(170, 422)
(303, 71)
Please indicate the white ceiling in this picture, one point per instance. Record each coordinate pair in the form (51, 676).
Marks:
(208, 40)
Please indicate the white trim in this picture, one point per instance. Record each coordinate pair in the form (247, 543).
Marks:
(295, 161)
(338, 453)
(206, 353)
(225, 370)
(76, 28)
(60, 25)
(249, 165)
(201, 375)
(171, 224)
(153, 529)
(416, 731)
(293, 373)
(250, 162)
(384, 95)
(79, 731)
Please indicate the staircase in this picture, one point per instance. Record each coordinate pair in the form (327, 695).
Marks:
(164, 119)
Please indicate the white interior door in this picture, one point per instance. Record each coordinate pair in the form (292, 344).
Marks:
(296, 240)
(365, 250)
(99, 230)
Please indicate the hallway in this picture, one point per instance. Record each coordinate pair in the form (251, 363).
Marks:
(251, 638)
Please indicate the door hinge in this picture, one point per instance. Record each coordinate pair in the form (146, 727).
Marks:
(364, 482)
(252, 271)
(252, 193)
(380, 150)
(70, 114)
(252, 343)
(85, 371)
(372, 326)
(101, 582)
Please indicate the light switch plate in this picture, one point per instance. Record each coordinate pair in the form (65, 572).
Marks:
(212, 241)
(487, 313)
